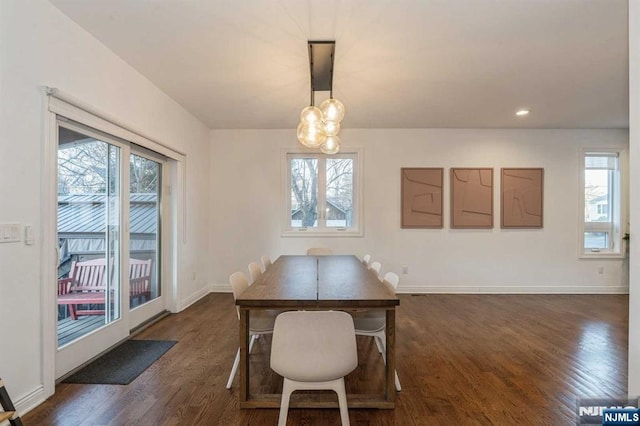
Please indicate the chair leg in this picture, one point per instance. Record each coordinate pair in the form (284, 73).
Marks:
(398, 387)
(382, 338)
(337, 385)
(384, 358)
(378, 343)
(287, 389)
(236, 362)
(342, 401)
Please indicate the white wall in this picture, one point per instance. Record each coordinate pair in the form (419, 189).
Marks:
(240, 199)
(40, 46)
(246, 209)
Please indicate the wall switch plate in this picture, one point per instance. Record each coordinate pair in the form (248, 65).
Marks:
(10, 233)
(29, 239)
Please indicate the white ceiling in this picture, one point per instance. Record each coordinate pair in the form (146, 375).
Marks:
(399, 64)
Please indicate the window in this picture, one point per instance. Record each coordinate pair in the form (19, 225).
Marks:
(321, 194)
(601, 198)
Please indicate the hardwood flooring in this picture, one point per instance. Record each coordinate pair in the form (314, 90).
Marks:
(462, 360)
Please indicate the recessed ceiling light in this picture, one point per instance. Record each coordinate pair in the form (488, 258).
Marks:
(522, 112)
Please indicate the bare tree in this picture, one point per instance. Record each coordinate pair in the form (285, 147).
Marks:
(144, 175)
(83, 168)
(340, 182)
(304, 187)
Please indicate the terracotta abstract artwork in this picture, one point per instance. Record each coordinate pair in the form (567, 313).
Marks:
(421, 198)
(521, 197)
(471, 198)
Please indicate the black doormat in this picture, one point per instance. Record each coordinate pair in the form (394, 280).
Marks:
(121, 365)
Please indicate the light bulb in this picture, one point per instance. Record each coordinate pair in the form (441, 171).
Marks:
(332, 110)
(331, 145)
(331, 128)
(311, 135)
(310, 115)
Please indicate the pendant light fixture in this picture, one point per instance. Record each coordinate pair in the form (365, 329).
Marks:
(319, 126)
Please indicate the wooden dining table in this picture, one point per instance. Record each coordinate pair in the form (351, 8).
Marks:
(318, 283)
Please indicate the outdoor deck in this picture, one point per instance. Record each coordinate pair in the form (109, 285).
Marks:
(69, 330)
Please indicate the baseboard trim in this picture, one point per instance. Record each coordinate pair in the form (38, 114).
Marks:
(220, 288)
(29, 401)
(513, 289)
(467, 289)
(184, 304)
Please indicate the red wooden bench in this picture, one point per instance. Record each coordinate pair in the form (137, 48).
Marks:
(87, 285)
(140, 279)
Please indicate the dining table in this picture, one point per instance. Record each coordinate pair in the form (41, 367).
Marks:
(334, 282)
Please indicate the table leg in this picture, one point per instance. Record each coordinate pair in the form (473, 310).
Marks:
(244, 354)
(390, 331)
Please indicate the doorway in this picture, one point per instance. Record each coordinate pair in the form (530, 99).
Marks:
(109, 229)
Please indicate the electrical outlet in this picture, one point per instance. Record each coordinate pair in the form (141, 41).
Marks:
(405, 269)
(600, 270)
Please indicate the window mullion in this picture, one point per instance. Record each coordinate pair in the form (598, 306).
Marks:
(322, 193)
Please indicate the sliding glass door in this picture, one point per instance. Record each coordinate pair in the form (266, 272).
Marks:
(145, 278)
(109, 251)
(89, 285)
(88, 228)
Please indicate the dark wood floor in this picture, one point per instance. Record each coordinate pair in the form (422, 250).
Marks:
(462, 360)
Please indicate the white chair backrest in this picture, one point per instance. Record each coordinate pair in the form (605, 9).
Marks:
(255, 271)
(392, 279)
(266, 262)
(319, 251)
(366, 259)
(375, 266)
(239, 284)
(314, 346)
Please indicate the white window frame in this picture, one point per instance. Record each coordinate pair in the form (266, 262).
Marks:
(357, 228)
(617, 201)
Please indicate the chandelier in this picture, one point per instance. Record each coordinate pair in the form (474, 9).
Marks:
(319, 126)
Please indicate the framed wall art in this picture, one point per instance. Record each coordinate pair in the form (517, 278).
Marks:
(421, 203)
(472, 198)
(521, 195)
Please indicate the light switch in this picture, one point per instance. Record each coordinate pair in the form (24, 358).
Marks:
(9, 233)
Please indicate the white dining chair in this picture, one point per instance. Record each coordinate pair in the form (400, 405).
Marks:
(376, 266)
(373, 323)
(266, 262)
(313, 350)
(319, 251)
(255, 271)
(261, 322)
(366, 259)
